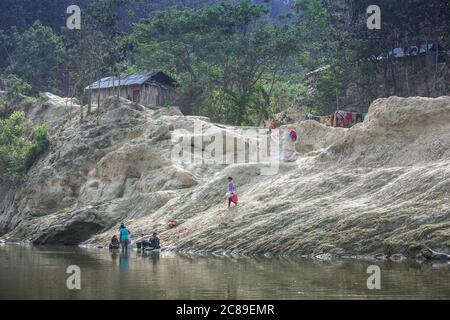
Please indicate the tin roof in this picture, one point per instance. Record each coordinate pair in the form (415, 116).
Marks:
(318, 70)
(132, 79)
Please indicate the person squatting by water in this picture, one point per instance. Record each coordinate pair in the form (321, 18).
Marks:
(115, 243)
(231, 192)
(124, 237)
(153, 243)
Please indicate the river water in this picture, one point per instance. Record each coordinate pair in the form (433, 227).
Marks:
(28, 272)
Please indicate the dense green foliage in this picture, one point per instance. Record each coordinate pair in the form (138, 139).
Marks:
(14, 147)
(236, 61)
(38, 57)
(17, 152)
(4, 104)
(40, 145)
(100, 47)
(228, 59)
(17, 88)
(337, 35)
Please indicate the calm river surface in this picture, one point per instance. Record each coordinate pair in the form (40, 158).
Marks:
(40, 273)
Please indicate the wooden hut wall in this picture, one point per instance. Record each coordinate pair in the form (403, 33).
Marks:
(150, 94)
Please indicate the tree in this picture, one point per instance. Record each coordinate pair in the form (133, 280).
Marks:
(41, 145)
(14, 147)
(17, 153)
(17, 88)
(38, 58)
(225, 57)
(99, 46)
(336, 34)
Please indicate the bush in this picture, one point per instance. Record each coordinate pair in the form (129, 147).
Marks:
(14, 147)
(41, 144)
(16, 88)
(29, 102)
(17, 153)
(3, 106)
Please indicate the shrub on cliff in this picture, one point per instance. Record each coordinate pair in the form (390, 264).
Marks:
(14, 147)
(41, 144)
(3, 106)
(16, 88)
(17, 152)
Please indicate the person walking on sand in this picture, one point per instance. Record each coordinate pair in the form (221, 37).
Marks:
(231, 192)
(124, 237)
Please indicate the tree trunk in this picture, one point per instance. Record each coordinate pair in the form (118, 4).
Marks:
(82, 113)
(407, 79)
(385, 76)
(89, 102)
(98, 97)
(436, 68)
(394, 81)
(118, 89)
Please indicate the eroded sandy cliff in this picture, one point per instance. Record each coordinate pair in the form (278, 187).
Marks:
(379, 187)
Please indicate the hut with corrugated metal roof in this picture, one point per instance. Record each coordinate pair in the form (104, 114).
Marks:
(145, 88)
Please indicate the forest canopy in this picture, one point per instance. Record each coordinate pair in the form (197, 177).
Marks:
(237, 62)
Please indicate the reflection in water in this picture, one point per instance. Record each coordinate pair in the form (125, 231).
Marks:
(114, 255)
(231, 289)
(39, 273)
(124, 261)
